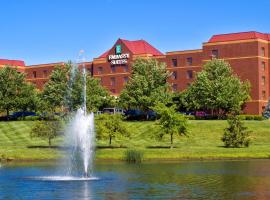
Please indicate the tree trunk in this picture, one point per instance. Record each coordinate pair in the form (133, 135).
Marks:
(7, 113)
(171, 141)
(110, 142)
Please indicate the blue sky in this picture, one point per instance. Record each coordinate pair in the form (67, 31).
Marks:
(45, 31)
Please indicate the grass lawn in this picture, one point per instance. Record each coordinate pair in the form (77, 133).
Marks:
(203, 142)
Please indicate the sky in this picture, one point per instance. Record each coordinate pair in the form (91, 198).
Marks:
(47, 31)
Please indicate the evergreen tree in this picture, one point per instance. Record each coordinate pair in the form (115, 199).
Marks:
(236, 135)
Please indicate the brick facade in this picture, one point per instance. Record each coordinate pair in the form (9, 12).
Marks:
(247, 52)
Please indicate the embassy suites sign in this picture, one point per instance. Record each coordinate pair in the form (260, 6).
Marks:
(118, 58)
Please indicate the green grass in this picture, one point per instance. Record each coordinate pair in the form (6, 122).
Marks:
(203, 142)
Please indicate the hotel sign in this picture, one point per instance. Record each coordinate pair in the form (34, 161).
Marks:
(119, 59)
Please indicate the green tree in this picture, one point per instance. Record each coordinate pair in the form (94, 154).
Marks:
(236, 135)
(46, 130)
(111, 126)
(97, 96)
(217, 89)
(11, 83)
(171, 122)
(55, 90)
(29, 99)
(146, 86)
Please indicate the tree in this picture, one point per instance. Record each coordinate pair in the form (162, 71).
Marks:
(97, 96)
(55, 90)
(29, 99)
(11, 83)
(217, 89)
(170, 121)
(47, 130)
(266, 112)
(146, 86)
(236, 135)
(111, 126)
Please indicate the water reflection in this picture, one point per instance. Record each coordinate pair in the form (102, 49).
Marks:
(183, 180)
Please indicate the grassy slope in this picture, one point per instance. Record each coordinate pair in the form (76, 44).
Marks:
(203, 142)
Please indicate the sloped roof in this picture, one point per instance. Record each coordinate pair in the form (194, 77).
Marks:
(137, 47)
(12, 62)
(239, 36)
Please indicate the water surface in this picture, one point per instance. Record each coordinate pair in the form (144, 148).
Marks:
(182, 180)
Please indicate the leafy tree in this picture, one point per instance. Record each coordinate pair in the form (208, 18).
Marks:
(266, 112)
(46, 130)
(29, 99)
(217, 89)
(97, 96)
(170, 121)
(111, 126)
(236, 135)
(55, 90)
(146, 86)
(11, 83)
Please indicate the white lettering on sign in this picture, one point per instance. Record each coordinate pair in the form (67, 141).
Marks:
(118, 59)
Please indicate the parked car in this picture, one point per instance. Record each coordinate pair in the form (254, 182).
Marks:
(136, 114)
(17, 115)
(113, 110)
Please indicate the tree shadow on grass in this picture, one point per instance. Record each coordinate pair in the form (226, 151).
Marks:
(159, 147)
(47, 147)
(70, 147)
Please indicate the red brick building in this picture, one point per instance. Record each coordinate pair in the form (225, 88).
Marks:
(247, 52)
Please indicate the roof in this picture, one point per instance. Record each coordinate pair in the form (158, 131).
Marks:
(239, 36)
(12, 62)
(137, 47)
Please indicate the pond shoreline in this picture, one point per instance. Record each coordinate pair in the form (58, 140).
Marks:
(149, 160)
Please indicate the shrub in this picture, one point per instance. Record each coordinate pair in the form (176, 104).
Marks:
(190, 117)
(236, 135)
(133, 156)
(251, 117)
(31, 118)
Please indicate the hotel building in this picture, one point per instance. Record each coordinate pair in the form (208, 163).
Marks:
(247, 52)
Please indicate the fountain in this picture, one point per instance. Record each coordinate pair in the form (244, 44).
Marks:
(79, 136)
(80, 133)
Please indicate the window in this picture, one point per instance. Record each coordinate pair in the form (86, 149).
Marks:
(215, 53)
(189, 74)
(45, 73)
(263, 80)
(263, 94)
(174, 75)
(262, 51)
(174, 62)
(113, 81)
(263, 66)
(125, 79)
(174, 87)
(34, 74)
(100, 70)
(189, 61)
(125, 68)
(113, 69)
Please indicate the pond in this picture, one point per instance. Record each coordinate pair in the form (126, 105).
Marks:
(246, 179)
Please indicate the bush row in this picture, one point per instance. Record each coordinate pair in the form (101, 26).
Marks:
(242, 117)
